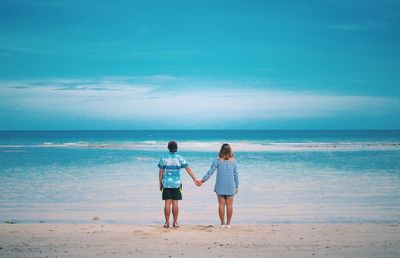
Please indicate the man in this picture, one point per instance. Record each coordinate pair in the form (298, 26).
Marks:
(170, 182)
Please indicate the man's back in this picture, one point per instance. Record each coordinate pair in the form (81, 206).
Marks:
(172, 163)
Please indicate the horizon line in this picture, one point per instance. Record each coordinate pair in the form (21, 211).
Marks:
(132, 130)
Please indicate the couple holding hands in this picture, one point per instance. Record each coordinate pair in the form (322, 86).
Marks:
(226, 185)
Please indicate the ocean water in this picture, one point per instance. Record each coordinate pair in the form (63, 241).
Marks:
(285, 176)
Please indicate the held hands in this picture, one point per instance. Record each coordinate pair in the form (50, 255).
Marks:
(198, 182)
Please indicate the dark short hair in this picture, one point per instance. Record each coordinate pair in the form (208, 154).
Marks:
(172, 146)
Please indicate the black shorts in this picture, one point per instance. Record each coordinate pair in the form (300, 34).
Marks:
(172, 193)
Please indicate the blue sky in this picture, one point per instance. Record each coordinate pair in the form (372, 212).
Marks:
(200, 64)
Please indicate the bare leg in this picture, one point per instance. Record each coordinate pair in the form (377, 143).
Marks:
(221, 209)
(229, 209)
(167, 210)
(175, 211)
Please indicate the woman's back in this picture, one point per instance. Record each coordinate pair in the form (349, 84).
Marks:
(227, 180)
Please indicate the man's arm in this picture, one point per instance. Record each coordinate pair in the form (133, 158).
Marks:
(160, 174)
(191, 173)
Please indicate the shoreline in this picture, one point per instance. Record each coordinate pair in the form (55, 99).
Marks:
(242, 240)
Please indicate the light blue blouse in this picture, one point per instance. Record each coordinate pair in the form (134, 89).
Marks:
(227, 176)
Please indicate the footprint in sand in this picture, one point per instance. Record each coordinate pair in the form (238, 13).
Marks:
(206, 228)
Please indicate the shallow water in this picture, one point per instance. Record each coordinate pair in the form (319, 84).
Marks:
(285, 176)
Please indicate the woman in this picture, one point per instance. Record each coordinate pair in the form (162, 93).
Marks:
(227, 183)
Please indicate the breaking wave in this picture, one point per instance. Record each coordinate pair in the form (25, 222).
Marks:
(212, 146)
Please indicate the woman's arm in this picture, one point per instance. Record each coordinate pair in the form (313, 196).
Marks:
(211, 171)
(236, 176)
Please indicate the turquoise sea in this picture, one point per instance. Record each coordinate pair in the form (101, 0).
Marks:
(285, 176)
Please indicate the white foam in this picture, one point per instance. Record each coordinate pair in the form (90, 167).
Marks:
(213, 146)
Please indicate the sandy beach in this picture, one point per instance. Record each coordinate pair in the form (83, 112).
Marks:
(283, 240)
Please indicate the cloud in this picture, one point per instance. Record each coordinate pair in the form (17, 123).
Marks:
(165, 98)
(351, 27)
(7, 49)
(371, 24)
(120, 84)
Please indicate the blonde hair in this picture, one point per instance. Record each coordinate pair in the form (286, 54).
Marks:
(226, 152)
